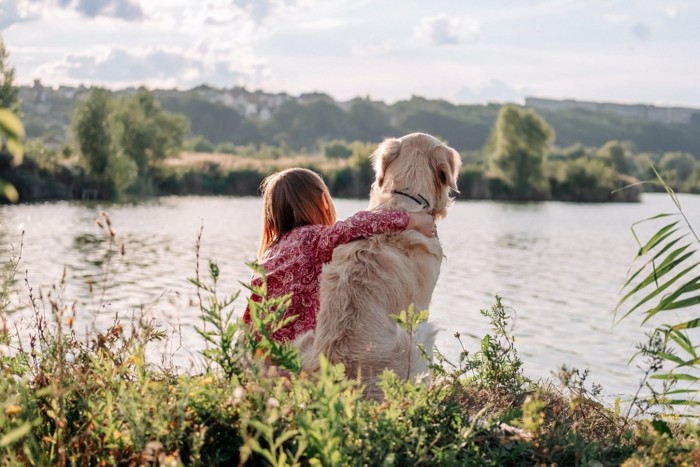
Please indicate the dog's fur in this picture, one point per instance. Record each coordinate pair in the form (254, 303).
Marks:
(369, 279)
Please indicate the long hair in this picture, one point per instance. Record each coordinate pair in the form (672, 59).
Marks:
(293, 198)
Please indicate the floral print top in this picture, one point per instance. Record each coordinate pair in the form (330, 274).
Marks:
(293, 264)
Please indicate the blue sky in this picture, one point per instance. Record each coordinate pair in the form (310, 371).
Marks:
(628, 51)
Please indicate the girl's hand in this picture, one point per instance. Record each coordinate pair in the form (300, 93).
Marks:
(423, 223)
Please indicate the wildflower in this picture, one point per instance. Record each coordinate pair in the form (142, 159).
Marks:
(207, 381)
(238, 394)
(13, 410)
(134, 359)
(69, 321)
(272, 403)
(4, 350)
(116, 434)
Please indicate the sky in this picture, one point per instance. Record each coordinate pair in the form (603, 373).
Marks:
(463, 51)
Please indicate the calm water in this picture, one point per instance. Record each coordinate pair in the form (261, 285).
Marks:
(559, 266)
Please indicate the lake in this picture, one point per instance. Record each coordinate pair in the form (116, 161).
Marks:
(557, 266)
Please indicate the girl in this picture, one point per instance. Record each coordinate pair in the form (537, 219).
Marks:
(299, 234)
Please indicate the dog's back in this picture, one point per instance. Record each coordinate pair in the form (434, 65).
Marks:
(370, 279)
(366, 281)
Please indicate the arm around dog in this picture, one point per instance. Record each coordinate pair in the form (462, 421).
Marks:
(360, 225)
(367, 223)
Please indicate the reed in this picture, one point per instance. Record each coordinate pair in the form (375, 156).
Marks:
(663, 283)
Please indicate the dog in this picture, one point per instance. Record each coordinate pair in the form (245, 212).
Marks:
(369, 279)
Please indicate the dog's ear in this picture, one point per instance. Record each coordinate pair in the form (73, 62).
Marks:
(383, 156)
(447, 167)
(455, 162)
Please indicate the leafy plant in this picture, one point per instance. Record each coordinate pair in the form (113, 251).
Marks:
(409, 320)
(230, 343)
(664, 279)
(266, 318)
(497, 362)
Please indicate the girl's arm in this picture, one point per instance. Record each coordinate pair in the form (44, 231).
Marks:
(367, 223)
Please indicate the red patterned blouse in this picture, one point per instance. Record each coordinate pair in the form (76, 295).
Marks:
(294, 263)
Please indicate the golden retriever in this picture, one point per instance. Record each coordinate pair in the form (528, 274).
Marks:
(369, 279)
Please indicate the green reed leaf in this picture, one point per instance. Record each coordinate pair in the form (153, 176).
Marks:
(662, 234)
(676, 377)
(671, 260)
(692, 362)
(680, 402)
(683, 341)
(671, 302)
(670, 357)
(653, 278)
(693, 323)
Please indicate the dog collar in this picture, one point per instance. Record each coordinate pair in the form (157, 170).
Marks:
(422, 201)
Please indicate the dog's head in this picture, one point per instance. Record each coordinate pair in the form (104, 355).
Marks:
(417, 164)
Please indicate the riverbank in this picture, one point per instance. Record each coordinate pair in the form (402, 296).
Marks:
(98, 401)
(114, 395)
(192, 173)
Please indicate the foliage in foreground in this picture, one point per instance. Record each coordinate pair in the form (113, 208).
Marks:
(97, 400)
(664, 283)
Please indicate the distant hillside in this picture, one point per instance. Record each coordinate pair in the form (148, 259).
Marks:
(304, 122)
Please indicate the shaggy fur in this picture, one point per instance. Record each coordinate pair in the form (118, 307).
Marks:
(369, 279)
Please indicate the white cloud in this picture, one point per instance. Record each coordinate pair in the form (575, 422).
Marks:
(491, 91)
(671, 12)
(261, 10)
(615, 17)
(443, 29)
(372, 50)
(12, 12)
(155, 67)
(121, 9)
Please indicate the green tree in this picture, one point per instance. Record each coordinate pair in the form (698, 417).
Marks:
(92, 131)
(146, 133)
(9, 93)
(337, 149)
(367, 122)
(617, 155)
(677, 166)
(110, 167)
(517, 149)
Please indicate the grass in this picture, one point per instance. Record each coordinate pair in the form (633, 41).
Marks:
(98, 400)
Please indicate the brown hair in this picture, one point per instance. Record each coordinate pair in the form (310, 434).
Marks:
(293, 198)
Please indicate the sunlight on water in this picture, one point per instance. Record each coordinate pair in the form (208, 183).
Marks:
(558, 266)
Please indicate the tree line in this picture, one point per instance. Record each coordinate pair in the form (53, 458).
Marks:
(116, 144)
